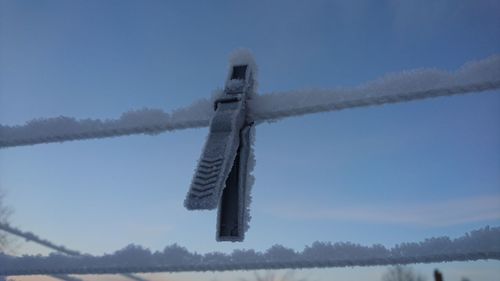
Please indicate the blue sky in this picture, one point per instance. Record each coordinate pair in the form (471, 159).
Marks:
(371, 175)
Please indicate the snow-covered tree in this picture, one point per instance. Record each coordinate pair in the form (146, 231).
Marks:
(273, 276)
(402, 273)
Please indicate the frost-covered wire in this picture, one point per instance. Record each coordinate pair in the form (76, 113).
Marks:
(143, 121)
(476, 245)
(32, 237)
(472, 77)
(262, 114)
(61, 249)
(473, 256)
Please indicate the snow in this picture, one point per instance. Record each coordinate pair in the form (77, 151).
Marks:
(483, 243)
(243, 56)
(250, 180)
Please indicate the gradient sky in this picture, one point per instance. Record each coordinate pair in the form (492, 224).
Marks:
(384, 175)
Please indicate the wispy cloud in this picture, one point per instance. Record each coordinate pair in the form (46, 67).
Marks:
(430, 214)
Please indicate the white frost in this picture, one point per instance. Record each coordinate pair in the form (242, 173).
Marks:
(405, 86)
(142, 121)
(392, 88)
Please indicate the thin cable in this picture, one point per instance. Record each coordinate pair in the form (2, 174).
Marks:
(32, 237)
(61, 249)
